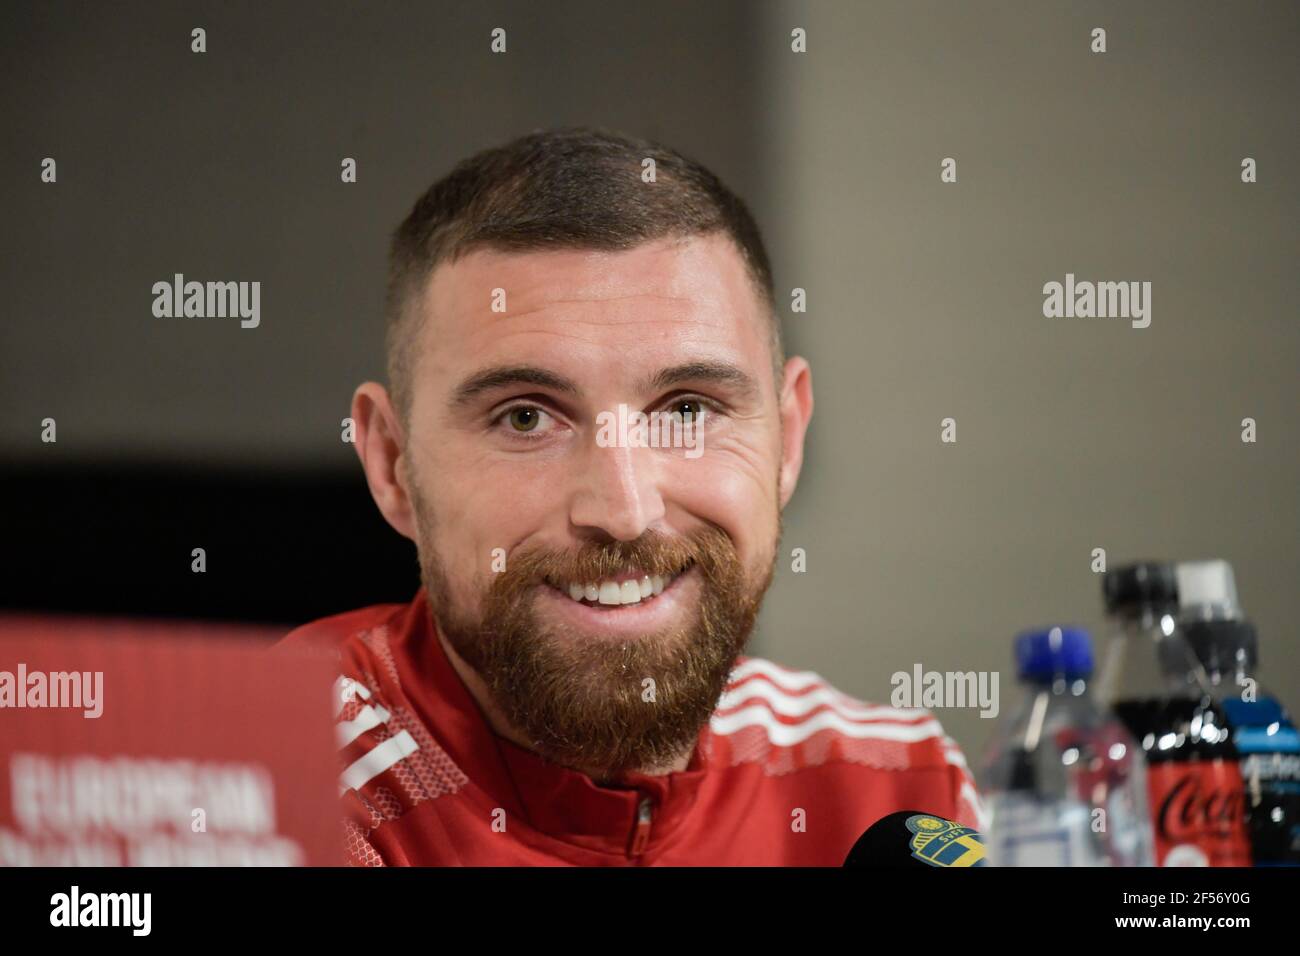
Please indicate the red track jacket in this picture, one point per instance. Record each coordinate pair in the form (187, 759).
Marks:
(789, 771)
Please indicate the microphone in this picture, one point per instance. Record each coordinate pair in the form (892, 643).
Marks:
(911, 838)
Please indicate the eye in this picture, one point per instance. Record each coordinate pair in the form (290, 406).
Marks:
(522, 420)
(690, 408)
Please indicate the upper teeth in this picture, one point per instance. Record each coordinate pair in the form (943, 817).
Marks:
(626, 592)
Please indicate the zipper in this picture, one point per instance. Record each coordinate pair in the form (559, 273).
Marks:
(641, 832)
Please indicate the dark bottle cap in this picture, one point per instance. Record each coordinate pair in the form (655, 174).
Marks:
(1223, 646)
(1150, 585)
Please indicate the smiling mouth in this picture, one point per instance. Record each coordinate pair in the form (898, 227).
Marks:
(619, 591)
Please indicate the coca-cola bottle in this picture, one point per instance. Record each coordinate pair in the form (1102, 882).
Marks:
(1155, 684)
(1193, 779)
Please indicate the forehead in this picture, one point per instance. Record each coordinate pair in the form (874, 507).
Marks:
(661, 299)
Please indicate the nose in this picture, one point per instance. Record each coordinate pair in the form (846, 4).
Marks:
(618, 493)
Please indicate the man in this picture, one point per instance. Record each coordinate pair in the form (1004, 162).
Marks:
(554, 694)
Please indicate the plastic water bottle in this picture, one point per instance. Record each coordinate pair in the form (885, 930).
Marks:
(1064, 781)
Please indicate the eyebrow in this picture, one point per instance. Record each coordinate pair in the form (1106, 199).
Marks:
(500, 376)
(716, 373)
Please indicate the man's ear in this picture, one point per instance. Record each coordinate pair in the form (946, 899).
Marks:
(381, 445)
(796, 411)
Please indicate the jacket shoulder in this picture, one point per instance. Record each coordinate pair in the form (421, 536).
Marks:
(790, 719)
(389, 759)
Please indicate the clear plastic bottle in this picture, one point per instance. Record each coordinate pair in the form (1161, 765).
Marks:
(1064, 781)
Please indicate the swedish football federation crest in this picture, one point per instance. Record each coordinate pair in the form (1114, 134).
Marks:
(941, 842)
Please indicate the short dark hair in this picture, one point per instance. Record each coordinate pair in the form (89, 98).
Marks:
(570, 188)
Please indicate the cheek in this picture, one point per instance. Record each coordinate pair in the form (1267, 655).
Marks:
(479, 511)
(733, 494)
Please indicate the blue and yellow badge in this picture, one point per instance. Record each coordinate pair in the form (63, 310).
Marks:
(941, 842)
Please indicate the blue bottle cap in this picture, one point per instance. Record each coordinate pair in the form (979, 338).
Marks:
(1046, 654)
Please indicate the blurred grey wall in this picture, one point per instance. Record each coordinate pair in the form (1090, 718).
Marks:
(925, 302)
(924, 298)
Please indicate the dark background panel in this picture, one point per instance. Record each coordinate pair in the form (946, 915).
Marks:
(283, 546)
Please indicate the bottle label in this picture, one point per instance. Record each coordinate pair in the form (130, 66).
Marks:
(1026, 831)
(1269, 748)
(1199, 813)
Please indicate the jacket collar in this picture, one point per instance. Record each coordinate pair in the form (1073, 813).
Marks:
(564, 804)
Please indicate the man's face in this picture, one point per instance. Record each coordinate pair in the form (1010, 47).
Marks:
(520, 515)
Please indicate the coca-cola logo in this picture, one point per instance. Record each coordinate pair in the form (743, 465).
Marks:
(1190, 808)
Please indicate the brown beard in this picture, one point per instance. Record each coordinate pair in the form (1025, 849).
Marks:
(586, 703)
